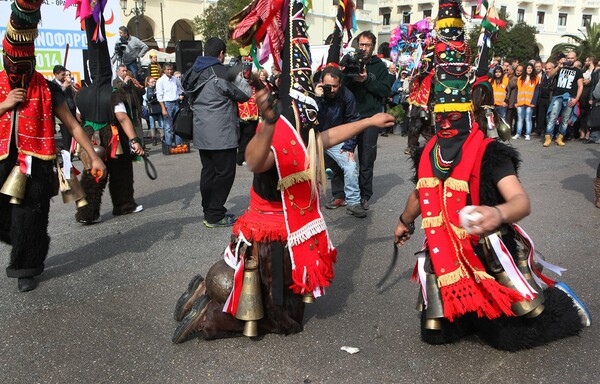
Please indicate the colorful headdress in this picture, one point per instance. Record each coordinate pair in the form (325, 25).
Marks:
(345, 19)
(95, 101)
(452, 89)
(296, 91)
(18, 46)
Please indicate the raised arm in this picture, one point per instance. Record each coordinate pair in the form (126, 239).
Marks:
(259, 157)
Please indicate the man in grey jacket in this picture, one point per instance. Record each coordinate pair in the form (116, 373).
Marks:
(128, 50)
(213, 95)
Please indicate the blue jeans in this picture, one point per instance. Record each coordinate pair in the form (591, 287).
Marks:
(172, 108)
(156, 121)
(558, 107)
(501, 112)
(524, 113)
(133, 67)
(351, 189)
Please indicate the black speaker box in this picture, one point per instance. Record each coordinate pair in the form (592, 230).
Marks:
(186, 52)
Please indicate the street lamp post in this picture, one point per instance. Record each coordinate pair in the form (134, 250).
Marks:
(137, 10)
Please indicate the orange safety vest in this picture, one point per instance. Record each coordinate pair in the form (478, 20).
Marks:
(499, 90)
(525, 91)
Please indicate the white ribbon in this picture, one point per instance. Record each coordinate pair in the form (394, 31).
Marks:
(422, 275)
(28, 162)
(535, 257)
(515, 276)
(66, 157)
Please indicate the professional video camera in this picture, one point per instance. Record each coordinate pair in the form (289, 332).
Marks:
(120, 47)
(353, 63)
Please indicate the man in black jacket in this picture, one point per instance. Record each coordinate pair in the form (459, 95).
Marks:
(337, 107)
(370, 88)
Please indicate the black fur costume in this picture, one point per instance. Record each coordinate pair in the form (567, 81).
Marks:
(96, 104)
(559, 318)
(25, 226)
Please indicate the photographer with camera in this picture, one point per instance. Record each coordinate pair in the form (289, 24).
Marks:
(371, 86)
(336, 107)
(129, 50)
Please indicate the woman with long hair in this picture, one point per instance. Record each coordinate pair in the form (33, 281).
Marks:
(527, 95)
(500, 85)
(155, 117)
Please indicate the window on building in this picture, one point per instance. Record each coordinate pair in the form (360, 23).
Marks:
(386, 19)
(562, 19)
(503, 9)
(426, 13)
(406, 17)
(473, 10)
(520, 16)
(540, 17)
(360, 4)
(586, 20)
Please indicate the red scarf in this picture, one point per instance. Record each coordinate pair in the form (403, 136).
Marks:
(35, 120)
(464, 284)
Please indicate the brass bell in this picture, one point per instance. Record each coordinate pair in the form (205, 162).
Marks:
(435, 308)
(308, 298)
(527, 308)
(71, 189)
(87, 160)
(250, 307)
(503, 130)
(119, 148)
(14, 185)
(420, 304)
(219, 281)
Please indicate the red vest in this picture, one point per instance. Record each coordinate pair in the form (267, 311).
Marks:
(35, 120)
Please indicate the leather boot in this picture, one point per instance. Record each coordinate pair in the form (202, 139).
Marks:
(559, 141)
(597, 189)
(548, 141)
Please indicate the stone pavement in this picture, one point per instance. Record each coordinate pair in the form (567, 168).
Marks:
(103, 310)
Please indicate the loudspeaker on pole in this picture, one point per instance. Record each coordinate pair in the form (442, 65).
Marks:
(186, 52)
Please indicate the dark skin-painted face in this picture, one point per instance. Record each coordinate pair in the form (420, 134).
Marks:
(447, 124)
(19, 71)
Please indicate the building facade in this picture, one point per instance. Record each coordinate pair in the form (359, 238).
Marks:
(552, 18)
(164, 22)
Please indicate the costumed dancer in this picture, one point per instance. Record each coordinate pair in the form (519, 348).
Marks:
(421, 96)
(28, 105)
(105, 119)
(280, 255)
(478, 272)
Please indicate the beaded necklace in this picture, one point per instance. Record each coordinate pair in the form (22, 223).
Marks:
(439, 162)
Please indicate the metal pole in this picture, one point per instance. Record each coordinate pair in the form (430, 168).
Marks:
(137, 22)
(162, 29)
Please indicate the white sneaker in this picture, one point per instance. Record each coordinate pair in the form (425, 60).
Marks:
(515, 137)
(527, 137)
(139, 208)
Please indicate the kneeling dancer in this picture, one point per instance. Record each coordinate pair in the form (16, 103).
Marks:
(280, 255)
(479, 273)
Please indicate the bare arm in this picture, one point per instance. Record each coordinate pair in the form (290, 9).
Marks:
(572, 102)
(63, 113)
(412, 210)
(343, 132)
(259, 157)
(515, 207)
(127, 126)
